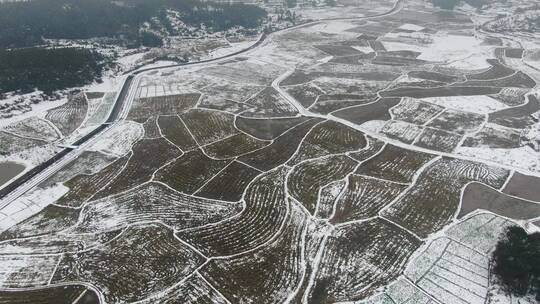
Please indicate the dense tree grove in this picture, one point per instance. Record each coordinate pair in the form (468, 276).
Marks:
(25, 23)
(48, 70)
(150, 39)
(516, 261)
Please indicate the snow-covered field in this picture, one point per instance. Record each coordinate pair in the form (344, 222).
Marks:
(345, 161)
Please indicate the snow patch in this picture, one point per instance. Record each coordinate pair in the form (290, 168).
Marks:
(477, 104)
(119, 140)
(411, 27)
(523, 157)
(458, 51)
(31, 203)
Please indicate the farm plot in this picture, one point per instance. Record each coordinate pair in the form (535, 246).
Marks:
(68, 294)
(457, 121)
(433, 76)
(194, 290)
(441, 92)
(359, 258)
(305, 94)
(229, 184)
(326, 106)
(517, 117)
(174, 130)
(246, 72)
(55, 243)
(119, 140)
(523, 186)
(209, 126)
(378, 110)
(344, 81)
(392, 60)
(265, 211)
(438, 140)
(151, 129)
(373, 147)
(481, 197)
(339, 97)
(402, 131)
(281, 150)
(152, 202)
(363, 198)
(516, 80)
(190, 172)
(451, 273)
(146, 259)
(162, 105)
(480, 232)
(394, 164)
(148, 156)
(406, 82)
(400, 292)
(373, 28)
(84, 186)
(480, 104)
(355, 59)
(33, 128)
(511, 96)
(307, 178)
(513, 53)
(69, 116)
(434, 199)
(495, 136)
(224, 105)
(216, 92)
(338, 50)
(49, 220)
(88, 163)
(327, 138)
(496, 71)
(269, 103)
(327, 198)
(11, 144)
(367, 72)
(20, 271)
(268, 129)
(278, 267)
(234, 146)
(352, 85)
(415, 111)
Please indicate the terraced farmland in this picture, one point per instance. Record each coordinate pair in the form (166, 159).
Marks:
(349, 160)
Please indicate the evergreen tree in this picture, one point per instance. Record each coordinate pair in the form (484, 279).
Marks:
(516, 261)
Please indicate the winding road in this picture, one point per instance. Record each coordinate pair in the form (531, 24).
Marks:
(18, 187)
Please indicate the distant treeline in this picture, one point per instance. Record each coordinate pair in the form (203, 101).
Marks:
(26, 23)
(48, 70)
(450, 4)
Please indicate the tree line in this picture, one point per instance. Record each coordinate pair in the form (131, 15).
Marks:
(49, 69)
(26, 23)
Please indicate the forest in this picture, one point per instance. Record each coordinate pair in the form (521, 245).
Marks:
(49, 69)
(26, 23)
(516, 262)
